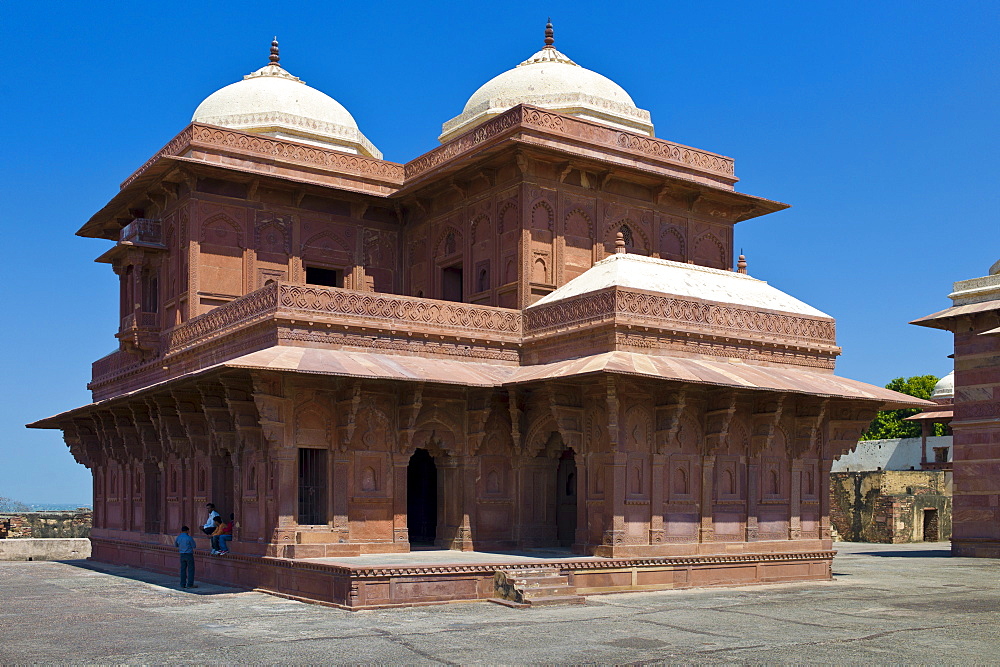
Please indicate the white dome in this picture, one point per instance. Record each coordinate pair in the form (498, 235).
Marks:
(272, 102)
(945, 387)
(551, 80)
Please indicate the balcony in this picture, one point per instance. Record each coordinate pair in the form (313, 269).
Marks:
(140, 332)
(142, 232)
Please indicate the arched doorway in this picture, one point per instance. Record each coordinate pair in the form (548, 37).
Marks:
(421, 498)
(566, 499)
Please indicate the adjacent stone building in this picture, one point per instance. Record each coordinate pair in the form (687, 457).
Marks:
(974, 319)
(531, 336)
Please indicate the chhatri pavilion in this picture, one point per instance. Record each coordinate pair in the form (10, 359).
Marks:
(531, 339)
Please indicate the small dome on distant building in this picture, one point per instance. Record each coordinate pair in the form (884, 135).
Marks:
(274, 103)
(945, 388)
(549, 79)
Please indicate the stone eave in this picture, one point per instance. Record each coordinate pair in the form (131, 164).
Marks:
(58, 420)
(945, 319)
(258, 156)
(573, 131)
(513, 131)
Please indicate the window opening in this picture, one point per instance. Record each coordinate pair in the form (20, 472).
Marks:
(316, 275)
(626, 235)
(312, 486)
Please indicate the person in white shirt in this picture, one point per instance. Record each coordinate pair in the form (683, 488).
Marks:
(209, 526)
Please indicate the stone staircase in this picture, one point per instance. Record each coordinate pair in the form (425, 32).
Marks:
(533, 587)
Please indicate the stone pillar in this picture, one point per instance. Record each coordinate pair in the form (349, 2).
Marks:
(824, 503)
(615, 537)
(400, 517)
(706, 532)
(340, 493)
(286, 496)
(456, 502)
(795, 502)
(925, 427)
(753, 498)
(581, 541)
(656, 493)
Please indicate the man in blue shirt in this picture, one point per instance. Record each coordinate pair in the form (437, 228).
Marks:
(185, 547)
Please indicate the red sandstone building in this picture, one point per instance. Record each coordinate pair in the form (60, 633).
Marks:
(529, 337)
(974, 319)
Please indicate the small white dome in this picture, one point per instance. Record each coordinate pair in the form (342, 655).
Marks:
(274, 103)
(945, 387)
(551, 80)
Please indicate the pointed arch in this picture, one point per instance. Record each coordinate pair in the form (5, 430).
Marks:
(507, 217)
(542, 215)
(481, 228)
(312, 425)
(672, 244)
(221, 230)
(327, 244)
(578, 223)
(444, 246)
(709, 251)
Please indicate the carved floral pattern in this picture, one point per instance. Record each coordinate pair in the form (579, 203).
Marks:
(614, 301)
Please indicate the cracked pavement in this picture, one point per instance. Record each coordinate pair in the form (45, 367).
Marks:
(896, 603)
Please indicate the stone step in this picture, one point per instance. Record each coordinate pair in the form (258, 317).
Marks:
(559, 599)
(533, 586)
(540, 592)
(531, 582)
(531, 571)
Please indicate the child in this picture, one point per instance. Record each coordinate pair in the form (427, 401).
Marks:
(227, 534)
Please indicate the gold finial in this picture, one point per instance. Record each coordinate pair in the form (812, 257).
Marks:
(274, 58)
(549, 35)
(741, 263)
(620, 243)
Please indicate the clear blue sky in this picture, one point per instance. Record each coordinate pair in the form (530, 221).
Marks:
(876, 121)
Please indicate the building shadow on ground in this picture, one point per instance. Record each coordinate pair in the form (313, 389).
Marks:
(152, 578)
(920, 553)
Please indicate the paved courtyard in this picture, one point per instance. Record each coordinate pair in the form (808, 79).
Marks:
(888, 604)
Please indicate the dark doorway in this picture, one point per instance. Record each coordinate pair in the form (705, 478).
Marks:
(151, 498)
(222, 486)
(312, 486)
(930, 525)
(421, 498)
(451, 283)
(566, 499)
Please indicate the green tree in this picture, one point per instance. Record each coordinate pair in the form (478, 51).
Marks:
(891, 423)
(11, 505)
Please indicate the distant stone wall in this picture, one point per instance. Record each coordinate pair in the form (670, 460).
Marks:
(891, 506)
(46, 524)
(50, 548)
(891, 454)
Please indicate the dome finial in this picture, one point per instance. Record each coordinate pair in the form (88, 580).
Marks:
(274, 57)
(549, 35)
(620, 243)
(741, 264)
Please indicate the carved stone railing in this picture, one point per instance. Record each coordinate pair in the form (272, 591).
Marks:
(210, 137)
(114, 363)
(532, 117)
(362, 309)
(669, 311)
(140, 321)
(248, 309)
(394, 311)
